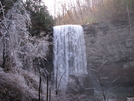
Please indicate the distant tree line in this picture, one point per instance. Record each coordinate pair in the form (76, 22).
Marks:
(89, 11)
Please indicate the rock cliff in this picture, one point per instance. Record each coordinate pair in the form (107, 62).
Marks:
(110, 47)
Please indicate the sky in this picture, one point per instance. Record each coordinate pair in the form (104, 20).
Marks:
(53, 4)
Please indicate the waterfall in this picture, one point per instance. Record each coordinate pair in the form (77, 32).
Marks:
(69, 53)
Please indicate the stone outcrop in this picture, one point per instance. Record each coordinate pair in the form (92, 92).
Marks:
(79, 84)
(110, 47)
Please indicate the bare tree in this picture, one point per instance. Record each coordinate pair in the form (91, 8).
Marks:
(100, 83)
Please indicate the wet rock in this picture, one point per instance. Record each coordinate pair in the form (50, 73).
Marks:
(79, 84)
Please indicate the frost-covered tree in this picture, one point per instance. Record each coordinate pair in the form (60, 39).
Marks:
(16, 37)
(17, 52)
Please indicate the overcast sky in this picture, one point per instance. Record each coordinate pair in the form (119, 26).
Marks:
(53, 4)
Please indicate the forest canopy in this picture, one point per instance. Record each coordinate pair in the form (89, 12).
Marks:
(40, 17)
(90, 11)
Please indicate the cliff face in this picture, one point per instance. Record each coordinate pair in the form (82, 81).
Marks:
(110, 47)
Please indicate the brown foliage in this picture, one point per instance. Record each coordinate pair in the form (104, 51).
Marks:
(83, 12)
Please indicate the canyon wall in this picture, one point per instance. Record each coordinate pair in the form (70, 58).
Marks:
(110, 49)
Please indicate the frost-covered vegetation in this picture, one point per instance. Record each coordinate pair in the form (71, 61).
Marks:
(20, 55)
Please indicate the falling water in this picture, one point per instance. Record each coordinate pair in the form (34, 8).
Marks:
(69, 53)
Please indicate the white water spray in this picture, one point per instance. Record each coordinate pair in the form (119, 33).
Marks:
(69, 53)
